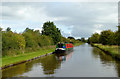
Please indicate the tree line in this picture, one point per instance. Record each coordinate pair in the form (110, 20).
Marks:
(31, 40)
(106, 37)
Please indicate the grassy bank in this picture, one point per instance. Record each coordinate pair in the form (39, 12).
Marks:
(7, 60)
(113, 50)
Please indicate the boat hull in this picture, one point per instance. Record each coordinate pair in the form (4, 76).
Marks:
(63, 51)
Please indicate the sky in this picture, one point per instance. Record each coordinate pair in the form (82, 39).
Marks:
(77, 19)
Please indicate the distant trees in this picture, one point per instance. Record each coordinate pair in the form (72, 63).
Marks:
(79, 39)
(49, 29)
(107, 37)
(83, 39)
(71, 37)
(94, 38)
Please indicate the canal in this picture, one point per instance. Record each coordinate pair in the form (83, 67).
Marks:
(82, 61)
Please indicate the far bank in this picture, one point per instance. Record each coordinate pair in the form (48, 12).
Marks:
(112, 50)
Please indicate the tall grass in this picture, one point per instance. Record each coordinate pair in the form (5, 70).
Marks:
(114, 50)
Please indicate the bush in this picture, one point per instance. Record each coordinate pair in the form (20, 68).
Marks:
(12, 41)
(45, 41)
(34, 40)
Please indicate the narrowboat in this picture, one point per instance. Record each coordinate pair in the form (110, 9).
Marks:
(62, 47)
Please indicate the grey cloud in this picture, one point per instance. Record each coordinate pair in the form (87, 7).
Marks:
(82, 16)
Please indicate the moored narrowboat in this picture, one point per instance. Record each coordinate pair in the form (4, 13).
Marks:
(62, 47)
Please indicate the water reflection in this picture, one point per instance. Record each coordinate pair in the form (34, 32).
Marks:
(53, 62)
(48, 63)
(106, 59)
(64, 56)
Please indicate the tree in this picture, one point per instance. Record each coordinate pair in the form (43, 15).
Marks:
(105, 37)
(94, 38)
(8, 29)
(71, 37)
(35, 40)
(30, 38)
(50, 29)
(79, 39)
(83, 39)
(118, 36)
(0, 29)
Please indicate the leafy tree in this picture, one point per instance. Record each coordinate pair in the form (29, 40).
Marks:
(35, 40)
(30, 38)
(45, 40)
(118, 36)
(83, 39)
(105, 37)
(94, 38)
(50, 29)
(8, 29)
(0, 29)
(71, 37)
(79, 39)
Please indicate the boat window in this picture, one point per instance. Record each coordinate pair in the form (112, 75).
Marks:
(60, 45)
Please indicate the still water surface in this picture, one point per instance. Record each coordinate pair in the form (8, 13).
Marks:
(82, 61)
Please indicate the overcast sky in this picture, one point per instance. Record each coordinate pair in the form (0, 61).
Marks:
(77, 19)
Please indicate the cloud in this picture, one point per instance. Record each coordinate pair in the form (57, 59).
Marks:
(78, 19)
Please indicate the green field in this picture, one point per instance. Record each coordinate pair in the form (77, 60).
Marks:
(114, 50)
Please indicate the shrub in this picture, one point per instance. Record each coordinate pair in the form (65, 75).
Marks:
(12, 41)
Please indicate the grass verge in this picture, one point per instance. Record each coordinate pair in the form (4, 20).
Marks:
(7, 60)
(112, 50)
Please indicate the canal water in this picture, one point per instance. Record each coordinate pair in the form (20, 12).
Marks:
(82, 61)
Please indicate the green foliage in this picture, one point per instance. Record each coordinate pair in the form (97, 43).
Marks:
(8, 29)
(79, 39)
(0, 29)
(63, 39)
(83, 39)
(71, 37)
(30, 38)
(12, 41)
(45, 41)
(35, 40)
(118, 36)
(50, 29)
(105, 37)
(94, 38)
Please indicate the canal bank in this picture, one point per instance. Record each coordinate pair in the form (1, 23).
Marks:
(15, 60)
(113, 51)
(19, 59)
